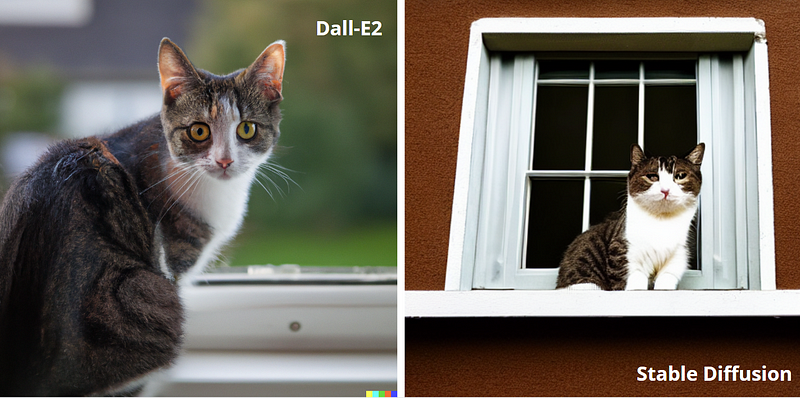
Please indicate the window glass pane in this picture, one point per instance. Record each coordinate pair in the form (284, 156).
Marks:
(616, 70)
(560, 132)
(563, 70)
(555, 219)
(607, 196)
(616, 115)
(682, 69)
(670, 119)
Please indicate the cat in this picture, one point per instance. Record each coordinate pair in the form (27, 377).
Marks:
(97, 235)
(646, 243)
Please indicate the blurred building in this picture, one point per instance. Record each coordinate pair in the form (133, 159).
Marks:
(103, 51)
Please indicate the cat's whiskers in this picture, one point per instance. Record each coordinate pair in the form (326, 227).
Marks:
(279, 171)
(265, 188)
(180, 168)
(176, 176)
(177, 194)
(194, 186)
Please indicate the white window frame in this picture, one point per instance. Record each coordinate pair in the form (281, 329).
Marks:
(698, 35)
(285, 331)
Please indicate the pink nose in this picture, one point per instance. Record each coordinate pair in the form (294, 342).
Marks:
(224, 163)
(665, 191)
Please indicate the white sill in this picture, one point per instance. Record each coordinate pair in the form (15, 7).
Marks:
(558, 303)
(285, 331)
(231, 373)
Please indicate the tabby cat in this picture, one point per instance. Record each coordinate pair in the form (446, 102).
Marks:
(646, 243)
(94, 236)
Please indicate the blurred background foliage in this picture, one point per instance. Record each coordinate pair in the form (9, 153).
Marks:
(30, 102)
(339, 128)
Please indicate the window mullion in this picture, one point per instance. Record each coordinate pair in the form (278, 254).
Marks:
(587, 185)
(640, 129)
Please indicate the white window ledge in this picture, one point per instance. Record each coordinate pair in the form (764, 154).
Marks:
(286, 331)
(222, 373)
(557, 303)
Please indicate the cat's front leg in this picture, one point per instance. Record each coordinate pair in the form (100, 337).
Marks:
(637, 279)
(669, 276)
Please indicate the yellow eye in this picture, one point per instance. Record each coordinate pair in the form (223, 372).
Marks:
(199, 132)
(246, 130)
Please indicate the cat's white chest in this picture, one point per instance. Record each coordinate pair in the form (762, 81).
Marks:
(654, 241)
(222, 205)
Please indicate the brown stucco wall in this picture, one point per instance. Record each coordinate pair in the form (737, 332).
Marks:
(580, 356)
(594, 356)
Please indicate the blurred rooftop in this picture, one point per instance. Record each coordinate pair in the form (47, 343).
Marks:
(91, 38)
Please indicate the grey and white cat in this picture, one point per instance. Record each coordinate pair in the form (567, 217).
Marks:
(94, 236)
(644, 244)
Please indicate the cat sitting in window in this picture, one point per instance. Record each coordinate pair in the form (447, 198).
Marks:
(644, 244)
(94, 236)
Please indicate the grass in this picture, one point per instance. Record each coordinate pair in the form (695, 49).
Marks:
(359, 246)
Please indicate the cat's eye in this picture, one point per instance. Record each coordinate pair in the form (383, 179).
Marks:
(652, 177)
(199, 132)
(246, 130)
(680, 176)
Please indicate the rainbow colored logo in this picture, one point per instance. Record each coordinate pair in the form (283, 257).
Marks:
(381, 393)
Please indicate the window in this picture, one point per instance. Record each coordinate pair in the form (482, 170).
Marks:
(552, 105)
(587, 113)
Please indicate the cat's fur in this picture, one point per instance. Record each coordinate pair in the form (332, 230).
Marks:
(645, 243)
(93, 237)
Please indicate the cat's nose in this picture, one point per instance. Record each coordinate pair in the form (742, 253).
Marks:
(224, 163)
(665, 191)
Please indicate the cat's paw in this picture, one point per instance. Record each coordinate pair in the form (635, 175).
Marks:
(637, 281)
(582, 286)
(666, 282)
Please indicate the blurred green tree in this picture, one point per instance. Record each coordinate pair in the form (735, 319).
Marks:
(339, 131)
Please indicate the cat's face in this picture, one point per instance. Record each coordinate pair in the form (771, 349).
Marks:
(220, 127)
(665, 185)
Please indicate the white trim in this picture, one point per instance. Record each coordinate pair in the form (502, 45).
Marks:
(640, 115)
(282, 374)
(619, 25)
(456, 277)
(588, 152)
(764, 145)
(619, 34)
(548, 303)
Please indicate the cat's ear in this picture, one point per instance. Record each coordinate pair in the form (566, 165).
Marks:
(696, 155)
(637, 155)
(175, 70)
(266, 72)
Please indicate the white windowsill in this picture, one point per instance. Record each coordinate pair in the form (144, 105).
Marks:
(223, 373)
(286, 331)
(556, 303)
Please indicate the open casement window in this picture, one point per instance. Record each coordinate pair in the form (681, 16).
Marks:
(551, 109)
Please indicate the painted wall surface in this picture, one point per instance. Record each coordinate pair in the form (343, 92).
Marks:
(563, 357)
(596, 356)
